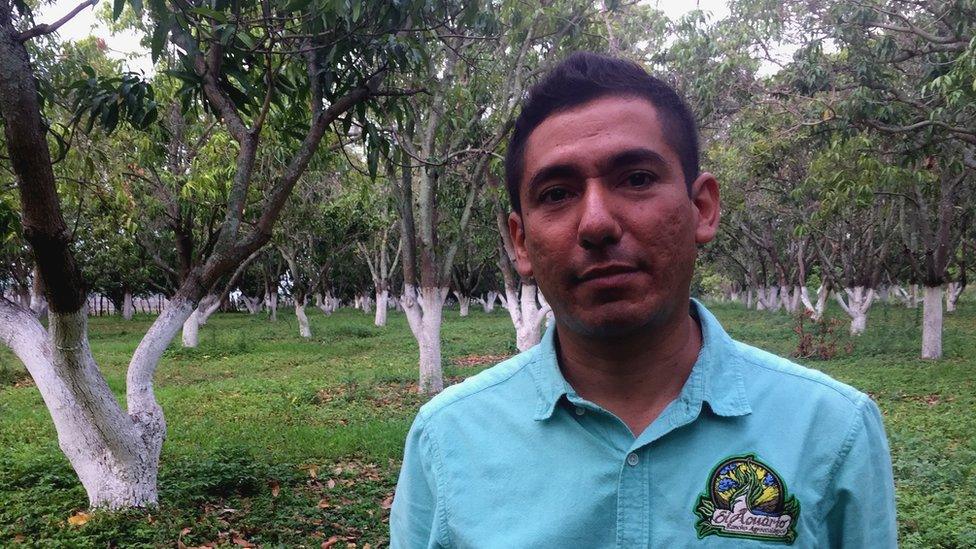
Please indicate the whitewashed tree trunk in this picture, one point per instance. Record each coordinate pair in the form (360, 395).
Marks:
(253, 304)
(304, 329)
(127, 308)
(932, 323)
(749, 293)
(367, 303)
(816, 310)
(464, 303)
(191, 330)
(913, 296)
(382, 303)
(488, 303)
(115, 454)
(953, 291)
(858, 302)
(425, 310)
(528, 312)
(787, 300)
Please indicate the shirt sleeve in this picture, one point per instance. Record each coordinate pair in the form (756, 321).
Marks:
(416, 515)
(862, 513)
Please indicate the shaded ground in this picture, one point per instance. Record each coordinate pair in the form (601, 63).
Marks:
(278, 441)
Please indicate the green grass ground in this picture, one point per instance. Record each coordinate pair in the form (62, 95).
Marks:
(278, 441)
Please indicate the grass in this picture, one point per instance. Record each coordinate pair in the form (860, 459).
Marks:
(278, 441)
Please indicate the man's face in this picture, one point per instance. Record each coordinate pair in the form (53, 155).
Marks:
(608, 228)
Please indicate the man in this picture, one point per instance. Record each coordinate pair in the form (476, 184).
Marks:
(637, 421)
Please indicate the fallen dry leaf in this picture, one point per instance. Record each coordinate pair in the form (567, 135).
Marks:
(79, 518)
(242, 542)
(330, 542)
(331, 484)
(324, 504)
(313, 471)
(388, 502)
(275, 488)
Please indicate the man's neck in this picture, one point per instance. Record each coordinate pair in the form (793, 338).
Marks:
(634, 377)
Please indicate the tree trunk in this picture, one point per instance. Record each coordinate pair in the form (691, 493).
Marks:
(191, 330)
(953, 291)
(273, 306)
(464, 303)
(382, 299)
(127, 309)
(932, 323)
(425, 310)
(858, 302)
(489, 302)
(303, 327)
(115, 455)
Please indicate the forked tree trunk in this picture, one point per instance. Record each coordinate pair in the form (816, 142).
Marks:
(858, 302)
(488, 303)
(424, 310)
(932, 323)
(191, 330)
(304, 329)
(816, 310)
(127, 309)
(115, 454)
(253, 304)
(382, 302)
(527, 312)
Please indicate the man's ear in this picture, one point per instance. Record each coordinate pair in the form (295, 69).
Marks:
(707, 203)
(516, 230)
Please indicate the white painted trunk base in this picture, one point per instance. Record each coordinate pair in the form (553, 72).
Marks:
(528, 310)
(191, 330)
(424, 309)
(858, 302)
(382, 303)
(304, 329)
(953, 291)
(932, 323)
(127, 309)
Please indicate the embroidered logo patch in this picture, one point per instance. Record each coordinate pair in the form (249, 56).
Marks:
(745, 498)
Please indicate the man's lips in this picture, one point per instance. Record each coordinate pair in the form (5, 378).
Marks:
(608, 273)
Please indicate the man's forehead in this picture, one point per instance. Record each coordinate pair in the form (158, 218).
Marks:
(599, 128)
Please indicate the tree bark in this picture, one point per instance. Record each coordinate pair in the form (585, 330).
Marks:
(424, 310)
(127, 308)
(382, 300)
(858, 302)
(304, 329)
(191, 330)
(932, 323)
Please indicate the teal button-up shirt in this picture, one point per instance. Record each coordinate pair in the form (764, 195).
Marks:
(755, 452)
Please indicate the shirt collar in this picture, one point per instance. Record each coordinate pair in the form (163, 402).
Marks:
(715, 378)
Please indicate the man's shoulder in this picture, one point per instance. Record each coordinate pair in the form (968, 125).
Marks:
(506, 382)
(769, 372)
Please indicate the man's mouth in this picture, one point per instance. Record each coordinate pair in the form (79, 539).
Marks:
(607, 273)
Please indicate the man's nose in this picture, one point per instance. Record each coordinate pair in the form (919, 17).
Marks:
(598, 224)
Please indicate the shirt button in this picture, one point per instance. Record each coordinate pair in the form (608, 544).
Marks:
(580, 411)
(632, 459)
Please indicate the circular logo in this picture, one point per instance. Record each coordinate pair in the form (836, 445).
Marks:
(747, 477)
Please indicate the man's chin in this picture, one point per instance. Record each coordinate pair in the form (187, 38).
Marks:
(611, 326)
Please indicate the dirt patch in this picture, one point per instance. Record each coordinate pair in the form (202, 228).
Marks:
(471, 361)
(390, 394)
(928, 400)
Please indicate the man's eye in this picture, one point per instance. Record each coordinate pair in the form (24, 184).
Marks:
(556, 194)
(640, 179)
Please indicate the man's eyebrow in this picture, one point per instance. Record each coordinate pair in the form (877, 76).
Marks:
(555, 171)
(630, 157)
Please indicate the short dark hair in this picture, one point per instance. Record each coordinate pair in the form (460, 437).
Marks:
(583, 77)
